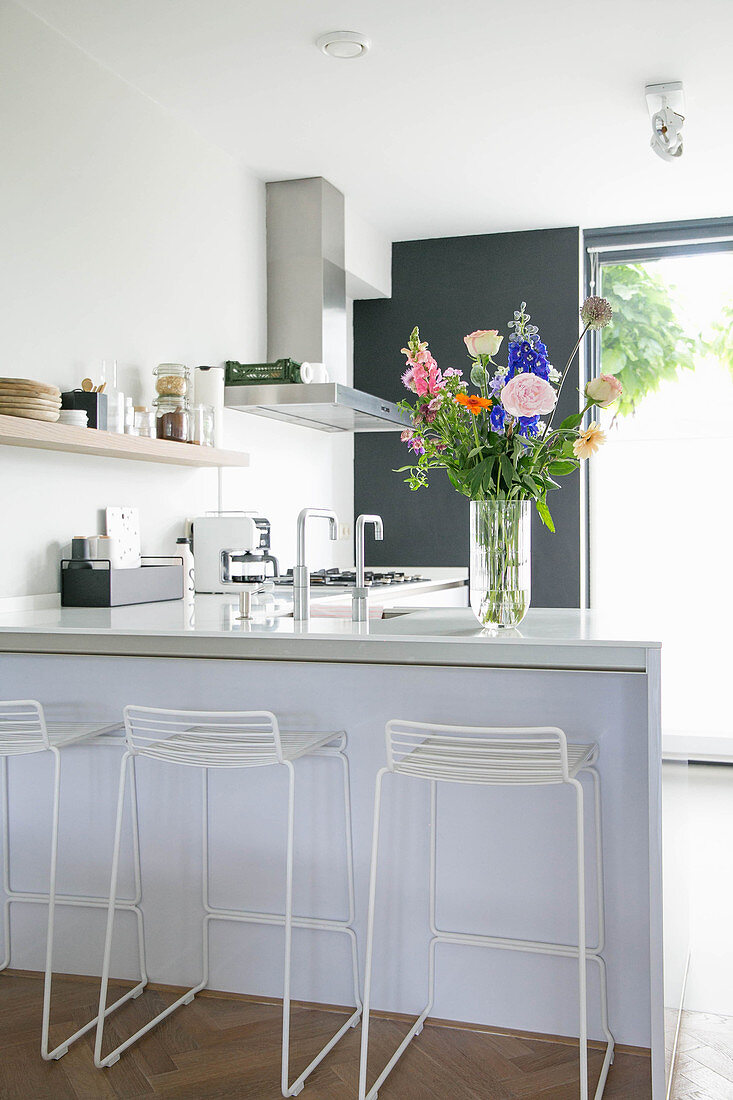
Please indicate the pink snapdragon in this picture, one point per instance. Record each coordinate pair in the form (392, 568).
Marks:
(423, 377)
(427, 378)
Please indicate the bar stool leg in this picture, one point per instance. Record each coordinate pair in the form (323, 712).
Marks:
(135, 820)
(105, 1010)
(63, 1048)
(350, 882)
(582, 960)
(370, 937)
(286, 1090)
(205, 875)
(596, 955)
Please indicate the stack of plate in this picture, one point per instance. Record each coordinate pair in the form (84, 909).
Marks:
(32, 400)
(78, 418)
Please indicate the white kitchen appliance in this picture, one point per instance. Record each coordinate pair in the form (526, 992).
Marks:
(245, 539)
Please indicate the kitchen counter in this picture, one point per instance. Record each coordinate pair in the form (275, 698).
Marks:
(548, 638)
(506, 855)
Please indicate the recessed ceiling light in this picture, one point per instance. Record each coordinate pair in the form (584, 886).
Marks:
(343, 44)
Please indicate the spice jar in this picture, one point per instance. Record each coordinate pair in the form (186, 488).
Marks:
(171, 380)
(202, 425)
(172, 418)
(145, 421)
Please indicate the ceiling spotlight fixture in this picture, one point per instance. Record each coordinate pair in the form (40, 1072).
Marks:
(666, 102)
(343, 44)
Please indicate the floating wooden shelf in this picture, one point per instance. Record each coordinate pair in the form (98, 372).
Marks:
(16, 431)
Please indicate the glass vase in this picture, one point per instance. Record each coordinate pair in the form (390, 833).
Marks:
(500, 562)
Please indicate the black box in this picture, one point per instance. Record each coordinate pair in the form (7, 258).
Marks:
(94, 405)
(103, 586)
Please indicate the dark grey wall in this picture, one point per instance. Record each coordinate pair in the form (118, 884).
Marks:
(449, 287)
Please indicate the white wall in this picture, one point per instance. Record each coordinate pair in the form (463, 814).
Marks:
(126, 235)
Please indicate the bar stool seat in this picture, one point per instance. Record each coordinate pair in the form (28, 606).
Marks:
(25, 730)
(230, 748)
(493, 756)
(464, 764)
(242, 739)
(68, 733)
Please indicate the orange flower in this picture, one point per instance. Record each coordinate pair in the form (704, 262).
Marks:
(473, 403)
(589, 441)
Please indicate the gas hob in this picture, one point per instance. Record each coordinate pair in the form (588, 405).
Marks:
(337, 578)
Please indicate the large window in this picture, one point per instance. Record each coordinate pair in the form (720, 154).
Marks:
(661, 489)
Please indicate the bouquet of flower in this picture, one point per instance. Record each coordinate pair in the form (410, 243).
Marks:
(494, 443)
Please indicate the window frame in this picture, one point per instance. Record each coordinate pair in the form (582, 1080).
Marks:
(634, 244)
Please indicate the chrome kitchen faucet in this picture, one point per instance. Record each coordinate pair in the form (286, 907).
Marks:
(359, 597)
(301, 575)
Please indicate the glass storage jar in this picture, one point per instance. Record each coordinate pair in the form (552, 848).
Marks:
(172, 418)
(171, 380)
(202, 425)
(145, 421)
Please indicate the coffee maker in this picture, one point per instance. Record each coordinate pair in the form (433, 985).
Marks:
(230, 548)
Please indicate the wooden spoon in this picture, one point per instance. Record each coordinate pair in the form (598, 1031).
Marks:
(87, 385)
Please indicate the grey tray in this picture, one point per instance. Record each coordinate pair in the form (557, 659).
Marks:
(156, 580)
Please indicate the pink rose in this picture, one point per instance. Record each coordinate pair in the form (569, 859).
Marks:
(603, 390)
(528, 395)
(484, 341)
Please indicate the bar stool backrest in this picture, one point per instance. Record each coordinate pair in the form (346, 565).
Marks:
(22, 727)
(473, 754)
(211, 739)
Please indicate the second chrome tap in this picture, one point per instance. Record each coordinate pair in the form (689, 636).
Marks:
(360, 595)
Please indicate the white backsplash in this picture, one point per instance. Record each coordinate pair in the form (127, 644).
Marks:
(127, 235)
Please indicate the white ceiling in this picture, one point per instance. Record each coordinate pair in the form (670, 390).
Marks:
(466, 116)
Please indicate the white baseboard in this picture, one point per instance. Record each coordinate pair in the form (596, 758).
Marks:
(703, 747)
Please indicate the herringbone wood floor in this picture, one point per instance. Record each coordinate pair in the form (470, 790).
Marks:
(704, 1068)
(219, 1047)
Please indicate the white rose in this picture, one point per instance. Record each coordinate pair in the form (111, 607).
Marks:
(603, 390)
(484, 341)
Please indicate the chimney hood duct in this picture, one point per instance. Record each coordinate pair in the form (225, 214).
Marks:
(306, 315)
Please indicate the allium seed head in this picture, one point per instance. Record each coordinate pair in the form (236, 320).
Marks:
(595, 312)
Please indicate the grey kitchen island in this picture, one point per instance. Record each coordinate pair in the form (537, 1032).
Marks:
(505, 855)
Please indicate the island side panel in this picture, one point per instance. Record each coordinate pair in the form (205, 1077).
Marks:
(656, 895)
(506, 856)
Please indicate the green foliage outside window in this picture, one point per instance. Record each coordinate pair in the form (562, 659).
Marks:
(720, 341)
(645, 343)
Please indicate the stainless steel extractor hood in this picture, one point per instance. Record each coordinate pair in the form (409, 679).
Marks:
(306, 315)
(328, 406)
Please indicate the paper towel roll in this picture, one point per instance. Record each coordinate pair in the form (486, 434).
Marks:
(313, 373)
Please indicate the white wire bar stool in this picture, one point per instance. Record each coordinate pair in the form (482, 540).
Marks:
(24, 730)
(493, 756)
(225, 739)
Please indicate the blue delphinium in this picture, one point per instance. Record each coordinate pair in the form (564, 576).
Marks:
(528, 426)
(524, 358)
(497, 416)
(526, 352)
